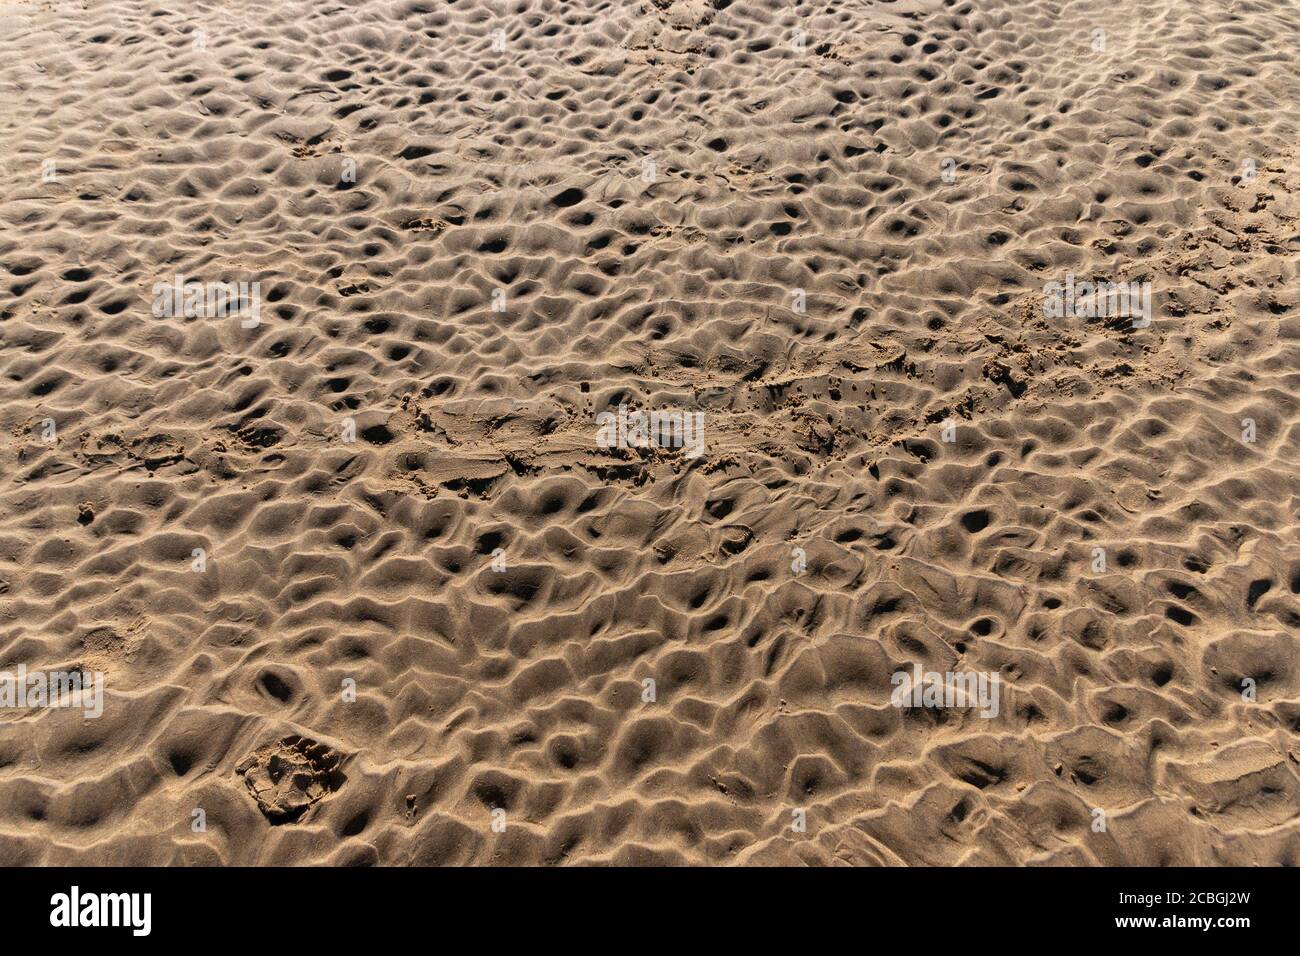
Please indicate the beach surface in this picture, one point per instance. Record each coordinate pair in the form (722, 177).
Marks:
(327, 330)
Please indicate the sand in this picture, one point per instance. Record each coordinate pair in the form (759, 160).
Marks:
(363, 584)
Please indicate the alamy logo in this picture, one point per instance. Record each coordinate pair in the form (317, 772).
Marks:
(950, 689)
(103, 909)
(1098, 300)
(667, 428)
(53, 689)
(209, 300)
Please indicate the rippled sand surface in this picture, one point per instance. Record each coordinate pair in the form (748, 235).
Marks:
(364, 585)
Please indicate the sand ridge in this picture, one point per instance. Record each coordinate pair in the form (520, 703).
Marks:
(429, 601)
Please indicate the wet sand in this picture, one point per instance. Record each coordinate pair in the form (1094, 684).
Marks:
(365, 585)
